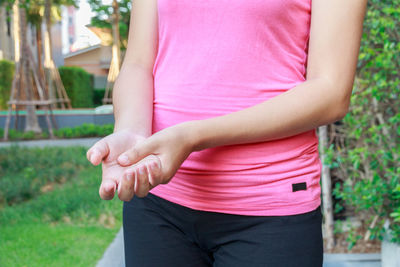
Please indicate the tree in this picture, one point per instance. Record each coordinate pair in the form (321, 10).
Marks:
(367, 154)
(35, 17)
(53, 79)
(32, 123)
(116, 54)
(326, 189)
(104, 17)
(22, 77)
(24, 72)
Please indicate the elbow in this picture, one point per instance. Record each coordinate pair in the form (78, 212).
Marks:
(342, 105)
(341, 113)
(340, 94)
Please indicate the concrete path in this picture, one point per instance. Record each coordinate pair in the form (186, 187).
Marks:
(352, 260)
(53, 142)
(114, 254)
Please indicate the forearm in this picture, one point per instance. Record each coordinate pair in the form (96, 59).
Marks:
(133, 99)
(300, 109)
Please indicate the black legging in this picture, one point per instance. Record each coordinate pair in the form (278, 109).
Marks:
(158, 232)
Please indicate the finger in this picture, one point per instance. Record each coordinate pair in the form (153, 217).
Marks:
(98, 151)
(107, 189)
(154, 171)
(136, 153)
(142, 182)
(126, 185)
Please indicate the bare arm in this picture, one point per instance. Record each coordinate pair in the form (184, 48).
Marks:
(336, 29)
(133, 106)
(133, 89)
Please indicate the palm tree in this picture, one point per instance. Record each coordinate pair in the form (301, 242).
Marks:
(25, 71)
(116, 53)
(34, 18)
(32, 123)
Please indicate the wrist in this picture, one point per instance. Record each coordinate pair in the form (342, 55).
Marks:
(194, 134)
(133, 130)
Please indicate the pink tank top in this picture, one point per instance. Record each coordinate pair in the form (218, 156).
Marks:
(217, 57)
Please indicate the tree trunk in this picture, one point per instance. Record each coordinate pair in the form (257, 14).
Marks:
(31, 122)
(116, 54)
(116, 49)
(326, 191)
(16, 33)
(39, 49)
(47, 50)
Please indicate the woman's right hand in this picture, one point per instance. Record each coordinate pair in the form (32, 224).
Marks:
(106, 151)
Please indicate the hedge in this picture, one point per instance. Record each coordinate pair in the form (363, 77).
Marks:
(79, 86)
(98, 96)
(83, 130)
(6, 77)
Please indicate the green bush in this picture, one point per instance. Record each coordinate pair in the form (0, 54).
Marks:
(79, 86)
(24, 171)
(369, 159)
(6, 77)
(84, 130)
(98, 97)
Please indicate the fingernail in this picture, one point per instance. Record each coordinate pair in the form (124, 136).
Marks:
(124, 159)
(141, 170)
(129, 176)
(108, 188)
(153, 165)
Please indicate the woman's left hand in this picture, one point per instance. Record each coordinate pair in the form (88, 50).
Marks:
(171, 146)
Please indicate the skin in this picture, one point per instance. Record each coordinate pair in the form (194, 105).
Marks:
(132, 94)
(335, 34)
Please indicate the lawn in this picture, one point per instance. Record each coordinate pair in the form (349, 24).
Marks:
(54, 215)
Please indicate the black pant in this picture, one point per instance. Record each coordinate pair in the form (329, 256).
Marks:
(158, 232)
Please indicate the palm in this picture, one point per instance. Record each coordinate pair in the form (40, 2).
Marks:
(118, 143)
(106, 151)
(112, 171)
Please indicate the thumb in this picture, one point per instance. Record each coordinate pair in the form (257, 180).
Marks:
(97, 152)
(135, 154)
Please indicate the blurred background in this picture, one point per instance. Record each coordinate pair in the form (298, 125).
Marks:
(58, 63)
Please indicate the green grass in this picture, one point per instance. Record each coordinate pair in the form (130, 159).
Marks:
(67, 226)
(26, 173)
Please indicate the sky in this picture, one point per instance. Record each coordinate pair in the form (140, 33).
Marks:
(84, 37)
(83, 16)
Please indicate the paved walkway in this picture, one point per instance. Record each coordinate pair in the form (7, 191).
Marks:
(53, 142)
(114, 254)
(352, 260)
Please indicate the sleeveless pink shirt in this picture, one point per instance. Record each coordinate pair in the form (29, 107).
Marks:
(217, 57)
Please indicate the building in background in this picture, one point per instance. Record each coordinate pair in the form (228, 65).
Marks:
(6, 35)
(7, 38)
(75, 35)
(68, 28)
(95, 58)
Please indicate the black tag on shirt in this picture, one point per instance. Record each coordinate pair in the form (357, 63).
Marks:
(299, 186)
